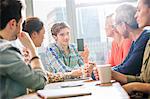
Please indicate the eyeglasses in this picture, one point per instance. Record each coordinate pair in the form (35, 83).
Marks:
(116, 24)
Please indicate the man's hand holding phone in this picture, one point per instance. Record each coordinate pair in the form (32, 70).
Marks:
(80, 44)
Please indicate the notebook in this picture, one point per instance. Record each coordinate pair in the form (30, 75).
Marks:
(63, 92)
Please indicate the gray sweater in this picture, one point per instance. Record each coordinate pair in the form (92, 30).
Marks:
(15, 75)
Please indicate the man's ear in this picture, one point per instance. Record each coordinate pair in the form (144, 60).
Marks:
(124, 25)
(12, 24)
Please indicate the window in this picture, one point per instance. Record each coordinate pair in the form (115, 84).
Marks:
(90, 23)
(86, 17)
(49, 11)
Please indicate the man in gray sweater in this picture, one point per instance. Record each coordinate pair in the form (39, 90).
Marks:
(15, 75)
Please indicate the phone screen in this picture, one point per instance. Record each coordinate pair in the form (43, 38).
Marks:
(80, 44)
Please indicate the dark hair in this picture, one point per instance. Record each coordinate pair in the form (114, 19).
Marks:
(58, 26)
(32, 24)
(9, 9)
(147, 2)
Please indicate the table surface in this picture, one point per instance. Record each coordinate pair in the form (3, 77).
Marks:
(106, 91)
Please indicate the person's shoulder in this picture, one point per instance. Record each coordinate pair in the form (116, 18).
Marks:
(127, 41)
(4, 45)
(114, 44)
(144, 36)
(146, 32)
(52, 45)
(54, 48)
(7, 46)
(8, 51)
(147, 28)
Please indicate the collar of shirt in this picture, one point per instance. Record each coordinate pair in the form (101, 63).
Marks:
(4, 44)
(147, 28)
(61, 49)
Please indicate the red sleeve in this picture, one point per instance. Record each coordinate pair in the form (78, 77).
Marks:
(126, 47)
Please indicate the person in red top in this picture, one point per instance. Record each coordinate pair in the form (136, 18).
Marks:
(119, 51)
(120, 45)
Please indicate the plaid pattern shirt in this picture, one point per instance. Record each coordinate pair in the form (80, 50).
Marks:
(58, 61)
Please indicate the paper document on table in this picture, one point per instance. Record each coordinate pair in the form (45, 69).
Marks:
(72, 84)
(63, 92)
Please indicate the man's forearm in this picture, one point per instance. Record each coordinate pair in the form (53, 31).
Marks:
(119, 77)
(142, 87)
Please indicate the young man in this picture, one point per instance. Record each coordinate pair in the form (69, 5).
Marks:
(15, 75)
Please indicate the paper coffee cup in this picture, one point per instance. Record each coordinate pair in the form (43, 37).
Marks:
(104, 72)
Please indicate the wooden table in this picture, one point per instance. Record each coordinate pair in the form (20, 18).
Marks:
(114, 91)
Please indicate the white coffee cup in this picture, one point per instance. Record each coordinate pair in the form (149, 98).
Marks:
(104, 72)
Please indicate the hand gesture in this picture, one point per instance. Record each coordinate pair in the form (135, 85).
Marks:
(85, 54)
(88, 68)
(76, 73)
(95, 71)
(26, 40)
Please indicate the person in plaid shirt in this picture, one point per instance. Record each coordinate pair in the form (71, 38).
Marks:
(62, 62)
(62, 56)
(34, 26)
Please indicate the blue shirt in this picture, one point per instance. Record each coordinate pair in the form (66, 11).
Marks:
(133, 62)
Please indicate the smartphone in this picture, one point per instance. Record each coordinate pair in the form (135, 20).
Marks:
(80, 44)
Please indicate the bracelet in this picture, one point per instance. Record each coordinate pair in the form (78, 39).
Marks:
(35, 57)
